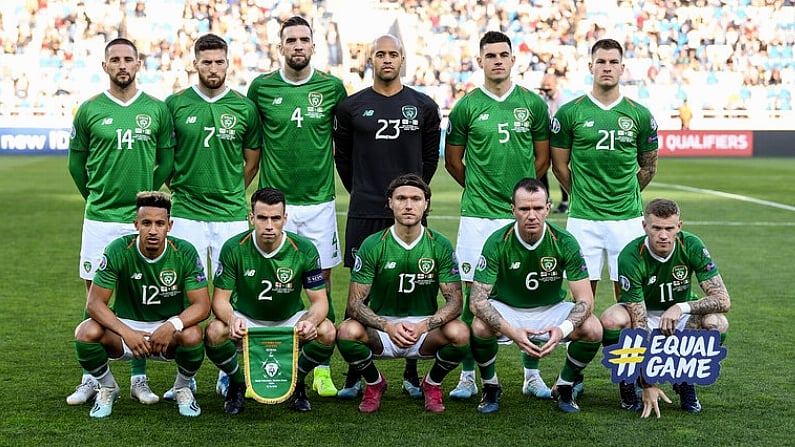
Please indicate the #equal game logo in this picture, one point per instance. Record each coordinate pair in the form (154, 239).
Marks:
(691, 356)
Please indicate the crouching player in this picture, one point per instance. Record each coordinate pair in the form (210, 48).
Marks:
(655, 273)
(258, 283)
(518, 296)
(161, 297)
(402, 269)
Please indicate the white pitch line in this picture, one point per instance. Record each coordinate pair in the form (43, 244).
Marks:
(727, 195)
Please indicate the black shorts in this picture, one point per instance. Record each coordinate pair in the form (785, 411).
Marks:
(356, 231)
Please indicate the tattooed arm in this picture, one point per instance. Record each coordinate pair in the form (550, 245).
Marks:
(648, 167)
(716, 300)
(360, 311)
(638, 317)
(481, 308)
(583, 302)
(453, 304)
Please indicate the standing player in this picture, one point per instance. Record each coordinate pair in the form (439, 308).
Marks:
(218, 136)
(604, 152)
(258, 283)
(161, 297)
(497, 135)
(518, 297)
(120, 145)
(655, 274)
(296, 105)
(382, 132)
(401, 270)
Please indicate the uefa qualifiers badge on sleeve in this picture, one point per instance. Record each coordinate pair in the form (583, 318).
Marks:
(270, 357)
(691, 356)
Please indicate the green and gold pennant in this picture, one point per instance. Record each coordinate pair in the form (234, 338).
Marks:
(270, 358)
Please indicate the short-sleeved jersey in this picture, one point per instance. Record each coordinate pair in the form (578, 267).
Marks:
(498, 136)
(267, 286)
(405, 278)
(212, 134)
(297, 120)
(122, 140)
(377, 138)
(526, 276)
(150, 289)
(661, 283)
(605, 143)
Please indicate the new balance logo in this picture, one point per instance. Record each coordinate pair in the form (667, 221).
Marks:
(484, 117)
(107, 121)
(190, 120)
(515, 266)
(277, 101)
(390, 265)
(250, 272)
(652, 280)
(136, 276)
(368, 113)
(588, 124)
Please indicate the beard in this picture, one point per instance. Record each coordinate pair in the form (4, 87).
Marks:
(298, 66)
(212, 83)
(124, 84)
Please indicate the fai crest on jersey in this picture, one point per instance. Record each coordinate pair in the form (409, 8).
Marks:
(228, 120)
(521, 114)
(625, 123)
(409, 112)
(426, 265)
(168, 278)
(143, 121)
(466, 267)
(284, 274)
(315, 99)
(548, 263)
(679, 272)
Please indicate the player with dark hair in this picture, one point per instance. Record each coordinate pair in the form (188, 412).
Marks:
(401, 270)
(218, 139)
(518, 297)
(604, 152)
(296, 105)
(382, 132)
(161, 297)
(655, 275)
(258, 283)
(120, 145)
(497, 134)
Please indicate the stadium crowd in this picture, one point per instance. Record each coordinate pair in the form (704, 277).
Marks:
(727, 55)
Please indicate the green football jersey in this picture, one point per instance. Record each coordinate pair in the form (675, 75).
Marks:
(267, 286)
(527, 276)
(661, 283)
(208, 183)
(405, 279)
(122, 140)
(498, 136)
(604, 145)
(297, 120)
(147, 289)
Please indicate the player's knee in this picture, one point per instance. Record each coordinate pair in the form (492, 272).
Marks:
(190, 336)
(481, 329)
(716, 322)
(89, 331)
(457, 332)
(216, 332)
(614, 317)
(326, 333)
(350, 330)
(591, 330)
